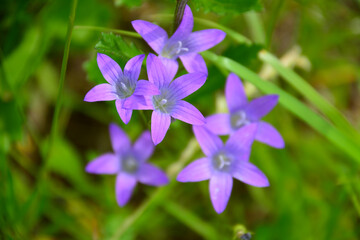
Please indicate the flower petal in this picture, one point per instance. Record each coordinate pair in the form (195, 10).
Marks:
(194, 62)
(209, 142)
(219, 124)
(125, 185)
(107, 163)
(133, 67)
(186, 112)
(151, 175)
(185, 27)
(101, 92)
(198, 170)
(248, 173)
(259, 107)
(124, 113)
(144, 87)
(160, 123)
(241, 140)
(154, 35)
(185, 85)
(234, 93)
(267, 134)
(144, 147)
(109, 68)
(137, 102)
(171, 66)
(119, 140)
(220, 190)
(203, 40)
(156, 71)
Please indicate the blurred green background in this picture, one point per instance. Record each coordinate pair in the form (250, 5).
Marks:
(315, 183)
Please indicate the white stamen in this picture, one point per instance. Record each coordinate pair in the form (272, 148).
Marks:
(123, 86)
(163, 101)
(223, 161)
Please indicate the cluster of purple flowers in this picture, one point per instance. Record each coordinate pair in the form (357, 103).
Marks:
(164, 96)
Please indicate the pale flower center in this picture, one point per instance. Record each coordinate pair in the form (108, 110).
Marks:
(173, 49)
(238, 120)
(163, 102)
(129, 164)
(222, 161)
(124, 88)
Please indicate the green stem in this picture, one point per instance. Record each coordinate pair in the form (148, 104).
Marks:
(179, 13)
(55, 121)
(256, 27)
(102, 29)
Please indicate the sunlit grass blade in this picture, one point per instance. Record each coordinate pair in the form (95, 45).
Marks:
(309, 93)
(292, 104)
(190, 220)
(256, 27)
(103, 29)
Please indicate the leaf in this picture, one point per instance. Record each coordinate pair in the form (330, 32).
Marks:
(295, 106)
(117, 48)
(227, 6)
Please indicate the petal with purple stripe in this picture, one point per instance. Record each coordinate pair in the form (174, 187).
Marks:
(124, 113)
(194, 62)
(156, 71)
(154, 35)
(241, 140)
(185, 27)
(109, 68)
(186, 84)
(133, 67)
(160, 124)
(101, 92)
(203, 40)
(186, 112)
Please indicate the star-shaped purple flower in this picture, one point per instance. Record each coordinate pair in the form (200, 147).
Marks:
(169, 104)
(243, 112)
(222, 163)
(184, 43)
(121, 86)
(129, 163)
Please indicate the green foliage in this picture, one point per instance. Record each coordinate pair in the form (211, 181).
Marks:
(128, 3)
(227, 6)
(117, 48)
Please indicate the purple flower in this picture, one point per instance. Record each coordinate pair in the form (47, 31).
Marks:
(222, 163)
(129, 163)
(121, 86)
(169, 102)
(184, 43)
(243, 112)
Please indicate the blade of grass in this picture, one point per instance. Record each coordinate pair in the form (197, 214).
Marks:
(103, 29)
(190, 220)
(256, 27)
(309, 93)
(292, 104)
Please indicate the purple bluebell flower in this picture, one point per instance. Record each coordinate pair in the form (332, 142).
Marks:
(129, 163)
(169, 104)
(224, 162)
(121, 86)
(243, 112)
(184, 43)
